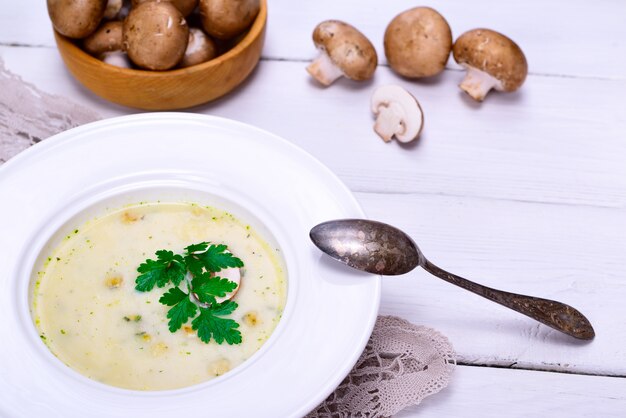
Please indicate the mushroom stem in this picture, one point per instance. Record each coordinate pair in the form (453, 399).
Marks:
(389, 121)
(324, 70)
(477, 83)
(116, 58)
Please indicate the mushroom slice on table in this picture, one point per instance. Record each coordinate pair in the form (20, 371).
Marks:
(492, 61)
(76, 18)
(225, 19)
(398, 114)
(344, 51)
(155, 35)
(418, 43)
(200, 48)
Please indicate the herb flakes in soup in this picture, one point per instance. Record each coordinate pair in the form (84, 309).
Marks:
(97, 306)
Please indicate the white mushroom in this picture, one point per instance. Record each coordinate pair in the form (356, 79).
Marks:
(398, 114)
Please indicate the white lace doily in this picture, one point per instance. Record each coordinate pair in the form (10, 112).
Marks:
(402, 363)
(28, 115)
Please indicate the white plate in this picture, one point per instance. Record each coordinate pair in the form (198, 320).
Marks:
(330, 309)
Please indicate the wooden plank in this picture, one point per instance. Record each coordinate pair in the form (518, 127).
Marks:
(570, 254)
(488, 392)
(552, 34)
(461, 193)
(559, 140)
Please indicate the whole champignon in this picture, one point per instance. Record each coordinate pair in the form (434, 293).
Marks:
(76, 18)
(155, 35)
(492, 61)
(106, 44)
(398, 114)
(113, 9)
(225, 19)
(344, 51)
(418, 43)
(200, 48)
(184, 6)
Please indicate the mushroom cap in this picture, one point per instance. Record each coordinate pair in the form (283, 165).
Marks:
(225, 19)
(108, 37)
(347, 48)
(418, 43)
(76, 18)
(495, 54)
(398, 113)
(184, 6)
(200, 48)
(155, 35)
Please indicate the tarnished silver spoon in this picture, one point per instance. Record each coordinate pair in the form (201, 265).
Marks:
(382, 249)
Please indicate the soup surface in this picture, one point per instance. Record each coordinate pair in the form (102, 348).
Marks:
(90, 316)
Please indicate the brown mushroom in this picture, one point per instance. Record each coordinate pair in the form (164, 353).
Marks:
(76, 18)
(113, 9)
(492, 61)
(184, 6)
(344, 51)
(106, 44)
(200, 48)
(225, 19)
(418, 43)
(155, 35)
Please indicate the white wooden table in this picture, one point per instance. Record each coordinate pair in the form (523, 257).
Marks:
(525, 192)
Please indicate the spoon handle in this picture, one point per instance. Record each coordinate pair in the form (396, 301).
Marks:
(554, 314)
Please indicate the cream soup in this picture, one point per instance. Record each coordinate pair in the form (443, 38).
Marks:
(90, 316)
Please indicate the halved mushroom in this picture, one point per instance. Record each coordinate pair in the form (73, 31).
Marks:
(418, 43)
(184, 6)
(225, 19)
(200, 48)
(76, 18)
(492, 61)
(155, 35)
(344, 51)
(398, 114)
(234, 275)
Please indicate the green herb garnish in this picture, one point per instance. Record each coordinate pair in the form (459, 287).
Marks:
(197, 269)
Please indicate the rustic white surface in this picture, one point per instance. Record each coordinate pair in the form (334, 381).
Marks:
(525, 192)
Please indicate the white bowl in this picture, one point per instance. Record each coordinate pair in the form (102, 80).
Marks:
(282, 190)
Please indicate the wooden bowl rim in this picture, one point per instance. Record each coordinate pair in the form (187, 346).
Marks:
(254, 32)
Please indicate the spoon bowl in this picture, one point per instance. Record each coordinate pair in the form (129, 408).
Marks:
(382, 249)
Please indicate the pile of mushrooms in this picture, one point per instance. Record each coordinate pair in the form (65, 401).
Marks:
(153, 34)
(417, 44)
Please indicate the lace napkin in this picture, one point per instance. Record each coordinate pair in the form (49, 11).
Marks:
(402, 363)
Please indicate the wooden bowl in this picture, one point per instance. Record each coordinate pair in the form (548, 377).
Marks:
(172, 89)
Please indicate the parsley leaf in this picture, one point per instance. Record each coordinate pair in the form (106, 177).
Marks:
(180, 313)
(173, 296)
(207, 288)
(203, 261)
(210, 325)
(212, 258)
(168, 267)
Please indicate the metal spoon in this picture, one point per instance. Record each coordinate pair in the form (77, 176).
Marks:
(379, 248)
